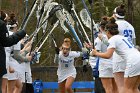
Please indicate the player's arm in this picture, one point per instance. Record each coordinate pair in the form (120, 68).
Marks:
(108, 54)
(7, 41)
(24, 57)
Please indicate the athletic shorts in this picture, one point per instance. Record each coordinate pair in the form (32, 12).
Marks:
(132, 69)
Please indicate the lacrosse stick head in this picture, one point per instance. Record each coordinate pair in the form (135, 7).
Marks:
(85, 18)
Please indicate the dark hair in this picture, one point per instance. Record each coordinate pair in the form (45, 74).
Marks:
(112, 27)
(104, 21)
(12, 20)
(120, 10)
(2, 15)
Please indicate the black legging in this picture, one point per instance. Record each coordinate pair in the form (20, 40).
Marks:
(98, 86)
(27, 88)
(0, 84)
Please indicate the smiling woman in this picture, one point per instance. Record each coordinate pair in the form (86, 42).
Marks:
(66, 71)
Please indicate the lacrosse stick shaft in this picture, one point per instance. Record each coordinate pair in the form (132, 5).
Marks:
(54, 41)
(26, 19)
(81, 25)
(40, 40)
(75, 34)
(55, 25)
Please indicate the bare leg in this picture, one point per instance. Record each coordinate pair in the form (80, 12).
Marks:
(131, 84)
(119, 79)
(11, 85)
(68, 85)
(62, 87)
(107, 84)
(115, 88)
(18, 88)
(4, 85)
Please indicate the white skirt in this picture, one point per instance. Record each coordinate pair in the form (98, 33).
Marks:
(5, 76)
(62, 78)
(119, 64)
(132, 69)
(106, 73)
(105, 69)
(13, 76)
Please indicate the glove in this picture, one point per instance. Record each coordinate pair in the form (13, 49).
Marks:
(85, 54)
(57, 50)
(35, 57)
(20, 34)
(85, 69)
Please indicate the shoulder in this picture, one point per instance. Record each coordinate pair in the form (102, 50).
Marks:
(114, 38)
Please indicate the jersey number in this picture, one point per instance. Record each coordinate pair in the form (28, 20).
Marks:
(128, 33)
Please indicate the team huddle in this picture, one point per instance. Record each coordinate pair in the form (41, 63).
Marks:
(114, 51)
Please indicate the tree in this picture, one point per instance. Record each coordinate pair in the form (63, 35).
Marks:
(130, 11)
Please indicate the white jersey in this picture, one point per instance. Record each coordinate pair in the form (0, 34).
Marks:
(124, 48)
(25, 69)
(8, 51)
(13, 63)
(28, 72)
(126, 29)
(66, 64)
(92, 61)
(100, 46)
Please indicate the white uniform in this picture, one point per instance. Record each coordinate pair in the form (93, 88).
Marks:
(105, 65)
(66, 66)
(125, 49)
(127, 30)
(92, 61)
(26, 69)
(14, 64)
(8, 53)
(28, 72)
(11, 61)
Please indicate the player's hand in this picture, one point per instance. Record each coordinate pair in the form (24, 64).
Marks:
(29, 57)
(93, 52)
(100, 36)
(88, 45)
